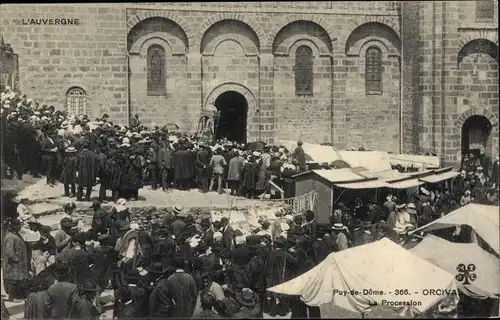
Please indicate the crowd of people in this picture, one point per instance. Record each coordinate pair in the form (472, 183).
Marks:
(79, 152)
(161, 264)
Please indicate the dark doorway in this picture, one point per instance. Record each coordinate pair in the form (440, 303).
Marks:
(475, 134)
(232, 122)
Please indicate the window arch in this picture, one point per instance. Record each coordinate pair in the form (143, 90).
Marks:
(304, 76)
(373, 71)
(76, 101)
(485, 10)
(156, 71)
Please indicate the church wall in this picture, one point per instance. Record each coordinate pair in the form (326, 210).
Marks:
(451, 91)
(306, 118)
(373, 120)
(54, 58)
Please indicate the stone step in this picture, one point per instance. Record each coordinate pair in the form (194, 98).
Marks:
(16, 309)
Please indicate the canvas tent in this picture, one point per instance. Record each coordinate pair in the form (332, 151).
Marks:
(315, 153)
(485, 221)
(378, 266)
(448, 255)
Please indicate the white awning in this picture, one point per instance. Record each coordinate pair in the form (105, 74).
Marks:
(363, 185)
(440, 177)
(405, 184)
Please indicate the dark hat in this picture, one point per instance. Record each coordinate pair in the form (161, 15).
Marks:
(61, 269)
(96, 205)
(15, 223)
(253, 240)
(237, 233)
(246, 298)
(265, 224)
(69, 205)
(122, 225)
(80, 237)
(85, 143)
(189, 220)
(89, 285)
(67, 222)
(280, 241)
(45, 229)
(157, 268)
(104, 238)
(205, 221)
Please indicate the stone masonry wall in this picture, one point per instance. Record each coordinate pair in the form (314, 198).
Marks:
(373, 120)
(54, 58)
(94, 57)
(450, 39)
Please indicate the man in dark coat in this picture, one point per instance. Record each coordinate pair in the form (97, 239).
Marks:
(62, 294)
(87, 169)
(151, 160)
(100, 167)
(180, 288)
(234, 173)
(111, 174)
(49, 152)
(207, 302)
(227, 234)
(165, 165)
(69, 172)
(203, 157)
(180, 161)
(16, 264)
(249, 174)
(300, 156)
(83, 307)
(101, 220)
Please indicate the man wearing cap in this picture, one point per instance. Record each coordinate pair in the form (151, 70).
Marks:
(87, 169)
(63, 235)
(16, 263)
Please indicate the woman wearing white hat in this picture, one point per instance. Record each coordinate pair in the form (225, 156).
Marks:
(338, 235)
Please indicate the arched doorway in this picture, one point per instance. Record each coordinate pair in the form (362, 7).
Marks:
(233, 113)
(476, 132)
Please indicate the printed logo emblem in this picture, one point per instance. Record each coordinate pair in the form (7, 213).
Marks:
(466, 274)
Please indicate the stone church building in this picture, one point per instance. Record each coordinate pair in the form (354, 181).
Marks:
(409, 77)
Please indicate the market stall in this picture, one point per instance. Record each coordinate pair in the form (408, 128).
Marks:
(380, 274)
(448, 255)
(484, 220)
(323, 183)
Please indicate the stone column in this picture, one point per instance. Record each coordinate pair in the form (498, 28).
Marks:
(195, 88)
(266, 116)
(339, 96)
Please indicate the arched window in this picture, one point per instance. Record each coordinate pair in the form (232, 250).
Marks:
(156, 71)
(485, 10)
(304, 71)
(373, 71)
(76, 101)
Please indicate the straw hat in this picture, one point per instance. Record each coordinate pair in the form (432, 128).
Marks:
(338, 226)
